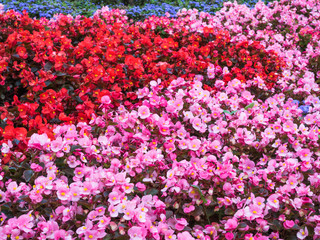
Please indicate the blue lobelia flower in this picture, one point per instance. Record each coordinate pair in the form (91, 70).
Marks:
(305, 108)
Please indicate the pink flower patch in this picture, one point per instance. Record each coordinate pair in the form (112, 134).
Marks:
(143, 112)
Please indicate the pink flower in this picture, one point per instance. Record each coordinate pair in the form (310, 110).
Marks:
(181, 224)
(113, 211)
(103, 222)
(63, 193)
(317, 230)
(60, 234)
(216, 145)
(56, 145)
(2, 196)
(259, 201)
(303, 233)
(288, 224)
(194, 144)
(304, 154)
(141, 187)
(189, 209)
(247, 96)
(268, 133)
(169, 235)
(114, 197)
(185, 236)
(282, 151)
(143, 112)
(75, 193)
(273, 201)
(289, 126)
(91, 235)
(252, 212)
(38, 141)
(211, 74)
(24, 222)
(13, 187)
(229, 236)
(105, 100)
(36, 167)
(292, 181)
(231, 224)
(137, 233)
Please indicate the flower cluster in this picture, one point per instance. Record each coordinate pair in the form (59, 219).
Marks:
(49, 8)
(170, 167)
(66, 64)
(210, 128)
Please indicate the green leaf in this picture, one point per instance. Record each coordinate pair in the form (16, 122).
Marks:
(152, 192)
(108, 237)
(74, 147)
(249, 106)
(27, 175)
(229, 212)
(199, 191)
(60, 74)
(242, 225)
(111, 124)
(48, 66)
(129, 130)
(295, 227)
(228, 112)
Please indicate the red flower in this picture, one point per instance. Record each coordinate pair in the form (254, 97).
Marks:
(6, 158)
(8, 132)
(20, 133)
(22, 52)
(110, 55)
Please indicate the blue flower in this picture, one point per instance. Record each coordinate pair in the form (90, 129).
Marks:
(305, 109)
(296, 102)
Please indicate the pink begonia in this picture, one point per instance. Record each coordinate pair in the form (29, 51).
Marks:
(229, 236)
(288, 224)
(144, 112)
(140, 186)
(137, 233)
(75, 193)
(91, 234)
(194, 144)
(6, 147)
(188, 209)
(37, 141)
(252, 212)
(2, 196)
(13, 187)
(185, 236)
(304, 154)
(228, 188)
(36, 167)
(57, 144)
(113, 211)
(303, 233)
(63, 193)
(211, 74)
(282, 151)
(259, 201)
(247, 96)
(181, 224)
(231, 224)
(273, 201)
(317, 230)
(169, 235)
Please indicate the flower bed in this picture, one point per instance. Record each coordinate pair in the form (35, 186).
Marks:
(198, 127)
